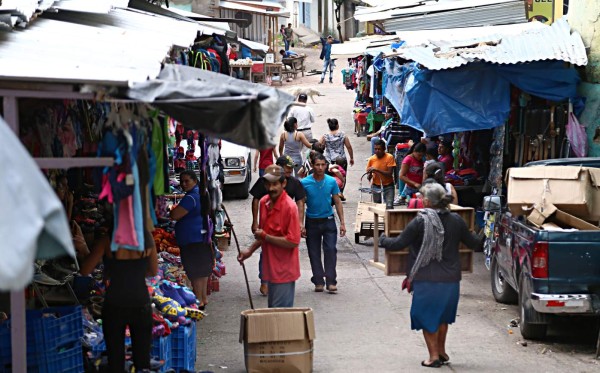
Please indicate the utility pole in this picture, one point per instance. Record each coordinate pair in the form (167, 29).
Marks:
(338, 5)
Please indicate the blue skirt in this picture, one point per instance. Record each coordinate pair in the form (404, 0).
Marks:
(433, 303)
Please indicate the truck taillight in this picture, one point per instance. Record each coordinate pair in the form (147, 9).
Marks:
(539, 261)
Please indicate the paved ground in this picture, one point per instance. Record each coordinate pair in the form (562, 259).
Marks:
(366, 326)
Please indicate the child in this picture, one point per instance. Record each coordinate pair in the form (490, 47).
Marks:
(339, 174)
(431, 155)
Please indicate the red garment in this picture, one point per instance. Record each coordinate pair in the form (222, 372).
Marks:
(448, 162)
(280, 265)
(265, 158)
(415, 169)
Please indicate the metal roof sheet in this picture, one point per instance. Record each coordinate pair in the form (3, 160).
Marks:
(497, 14)
(415, 8)
(281, 12)
(554, 42)
(115, 48)
(89, 6)
(358, 46)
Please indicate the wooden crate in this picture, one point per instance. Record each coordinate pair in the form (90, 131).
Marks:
(397, 219)
(396, 262)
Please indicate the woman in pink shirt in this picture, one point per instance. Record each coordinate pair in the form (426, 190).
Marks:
(411, 171)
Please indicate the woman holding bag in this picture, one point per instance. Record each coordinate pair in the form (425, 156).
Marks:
(434, 268)
(196, 255)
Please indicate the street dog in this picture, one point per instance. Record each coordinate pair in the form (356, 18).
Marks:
(310, 92)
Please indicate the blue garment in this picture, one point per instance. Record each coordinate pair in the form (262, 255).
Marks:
(318, 196)
(281, 295)
(188, 229)
(433, 304)
(289, 53)
(322, 231)
(327, 64)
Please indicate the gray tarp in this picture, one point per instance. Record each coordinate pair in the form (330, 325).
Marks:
(231, 109)
(33, 223)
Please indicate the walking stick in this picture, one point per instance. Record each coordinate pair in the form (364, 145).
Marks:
(237, 244)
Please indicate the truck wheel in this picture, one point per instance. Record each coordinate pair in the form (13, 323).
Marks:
(501, 290)
(528, 329)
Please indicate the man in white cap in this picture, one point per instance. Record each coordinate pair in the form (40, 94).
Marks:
(278, 234)
(305, 117)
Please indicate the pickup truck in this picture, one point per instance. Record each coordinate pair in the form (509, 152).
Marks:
(548, 273)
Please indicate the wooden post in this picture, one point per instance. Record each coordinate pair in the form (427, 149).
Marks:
(376, 237)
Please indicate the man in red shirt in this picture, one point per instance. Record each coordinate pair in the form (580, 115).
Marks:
(278, 234)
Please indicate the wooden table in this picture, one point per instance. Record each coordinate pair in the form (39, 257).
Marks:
(395, 220)
(246, 71)
(274, 69)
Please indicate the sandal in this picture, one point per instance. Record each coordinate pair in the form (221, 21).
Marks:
(444, 359)
(433, 364)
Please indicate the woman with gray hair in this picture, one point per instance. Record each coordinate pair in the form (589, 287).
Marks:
(434, 268)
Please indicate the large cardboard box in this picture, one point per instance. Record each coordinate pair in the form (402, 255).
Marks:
(278, 339)
(572, 189)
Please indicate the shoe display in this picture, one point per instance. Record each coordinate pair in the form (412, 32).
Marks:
(319, 288)
(332, 288)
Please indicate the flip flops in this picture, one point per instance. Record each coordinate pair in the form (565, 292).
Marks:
(433, 364)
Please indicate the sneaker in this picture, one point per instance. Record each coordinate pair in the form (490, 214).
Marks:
(320, 82)
(319, 288)
(330, 80)
(332, 288)
(264, 289)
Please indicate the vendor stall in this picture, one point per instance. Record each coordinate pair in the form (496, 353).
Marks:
(91, 117)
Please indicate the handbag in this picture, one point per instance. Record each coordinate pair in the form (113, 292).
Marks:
(577, 136)
(406, 285)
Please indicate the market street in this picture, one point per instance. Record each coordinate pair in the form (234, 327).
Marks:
(366, 326)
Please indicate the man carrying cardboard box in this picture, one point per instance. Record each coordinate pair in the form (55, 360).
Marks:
(278, 234)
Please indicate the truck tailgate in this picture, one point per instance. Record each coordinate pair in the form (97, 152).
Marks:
(573, 262)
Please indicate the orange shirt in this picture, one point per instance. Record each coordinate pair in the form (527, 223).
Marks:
(280, 265)
(383, 163)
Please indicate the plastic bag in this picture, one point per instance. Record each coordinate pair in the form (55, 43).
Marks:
(577, 136)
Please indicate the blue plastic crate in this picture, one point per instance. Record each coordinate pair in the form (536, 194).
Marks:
(183, 347)
(45, 336)
(67, 359)
(161, 350)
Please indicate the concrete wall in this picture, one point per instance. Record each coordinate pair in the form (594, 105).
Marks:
(584, 16)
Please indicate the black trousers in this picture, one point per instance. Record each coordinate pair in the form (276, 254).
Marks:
(114, 321)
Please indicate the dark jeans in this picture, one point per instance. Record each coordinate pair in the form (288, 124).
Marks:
(286, 43)
(322, 233)
(281, 295)
(388, 195)
(114, 321)
(260, 268)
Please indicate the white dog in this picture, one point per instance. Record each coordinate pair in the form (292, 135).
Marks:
(310, 92)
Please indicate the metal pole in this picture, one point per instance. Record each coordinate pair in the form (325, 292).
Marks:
(17, 298)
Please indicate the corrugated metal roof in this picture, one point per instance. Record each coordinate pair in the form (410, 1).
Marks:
(115, 48)
(89, 6)
(496, 14)
(358, 46)
(413, 8)
(281, 12)
(554, 42)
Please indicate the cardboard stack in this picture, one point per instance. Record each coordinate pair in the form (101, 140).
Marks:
(569, 196)
(278, 339)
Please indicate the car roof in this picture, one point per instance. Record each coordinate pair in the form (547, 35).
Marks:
(585, 162)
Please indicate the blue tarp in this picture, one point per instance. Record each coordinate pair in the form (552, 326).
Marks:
(471, 97)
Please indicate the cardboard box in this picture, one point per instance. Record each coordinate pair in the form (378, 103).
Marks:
(278, 339)
(572, 189)
(553, 219)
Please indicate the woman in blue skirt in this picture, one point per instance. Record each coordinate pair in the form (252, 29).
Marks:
(434, 268)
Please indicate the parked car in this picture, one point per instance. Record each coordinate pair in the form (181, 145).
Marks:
(548, 273)
(237, 169)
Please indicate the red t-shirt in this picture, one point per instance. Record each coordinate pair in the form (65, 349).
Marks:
(415, 169)
(265, 158)
(448, 161)
(280, 265)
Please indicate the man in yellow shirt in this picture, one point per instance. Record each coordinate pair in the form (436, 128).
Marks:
(380, 168)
